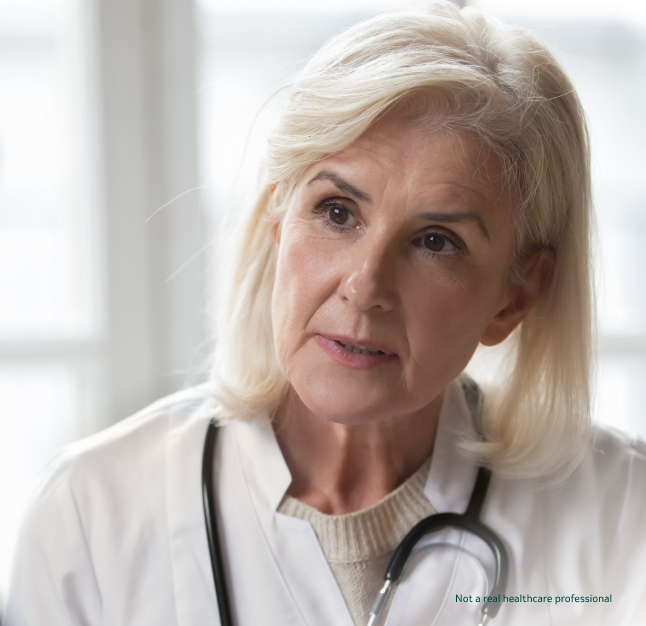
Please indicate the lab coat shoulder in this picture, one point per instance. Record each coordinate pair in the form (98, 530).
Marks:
(610, 489)
(584, 537)
(95, 538)
(610, 484)
(614, 455)
(616, 471)
(53, 579)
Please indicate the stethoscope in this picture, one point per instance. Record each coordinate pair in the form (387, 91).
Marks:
(469, 521)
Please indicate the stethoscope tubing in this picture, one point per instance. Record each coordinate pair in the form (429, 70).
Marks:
(211, 522)
(468, 521)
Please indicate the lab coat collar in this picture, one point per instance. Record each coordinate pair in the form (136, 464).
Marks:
(452, 475)
(264, 463)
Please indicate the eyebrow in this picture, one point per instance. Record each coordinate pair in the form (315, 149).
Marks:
(341, 184)
(444, 218)
(447, 218)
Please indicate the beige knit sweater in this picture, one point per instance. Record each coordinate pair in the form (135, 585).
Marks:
(359, 546)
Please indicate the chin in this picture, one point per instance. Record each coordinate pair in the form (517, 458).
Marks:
(348, 408)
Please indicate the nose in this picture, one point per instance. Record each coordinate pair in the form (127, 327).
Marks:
(369, 279)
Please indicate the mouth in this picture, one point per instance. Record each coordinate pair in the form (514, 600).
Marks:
(356, 354)
(359, 349)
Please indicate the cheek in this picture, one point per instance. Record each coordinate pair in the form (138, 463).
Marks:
(305, 279)
(445, 320)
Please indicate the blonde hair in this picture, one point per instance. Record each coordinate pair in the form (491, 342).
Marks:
(457, 71)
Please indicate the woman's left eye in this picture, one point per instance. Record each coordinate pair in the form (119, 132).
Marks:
(436, 242)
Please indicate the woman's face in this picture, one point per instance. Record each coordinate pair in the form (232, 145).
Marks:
(391, 266)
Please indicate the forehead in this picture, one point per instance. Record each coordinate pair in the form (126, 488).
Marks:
(395, 156)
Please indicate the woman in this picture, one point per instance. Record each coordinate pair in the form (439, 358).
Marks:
(427, 191)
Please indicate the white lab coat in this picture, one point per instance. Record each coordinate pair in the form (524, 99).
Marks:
(115, 534)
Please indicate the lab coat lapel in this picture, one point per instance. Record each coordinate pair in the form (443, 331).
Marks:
(435, 572)
(299, 561)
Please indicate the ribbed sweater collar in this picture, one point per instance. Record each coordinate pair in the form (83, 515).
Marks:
(370, 532)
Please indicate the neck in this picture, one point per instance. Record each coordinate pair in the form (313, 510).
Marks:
(340, 468)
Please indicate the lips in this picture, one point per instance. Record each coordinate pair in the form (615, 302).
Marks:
(355, 353)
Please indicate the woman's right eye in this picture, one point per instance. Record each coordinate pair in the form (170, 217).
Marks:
(336, 214)
(341, 216)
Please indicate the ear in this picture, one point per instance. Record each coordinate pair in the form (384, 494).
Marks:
(521, 298)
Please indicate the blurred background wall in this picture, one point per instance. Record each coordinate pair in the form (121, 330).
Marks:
(124, 137)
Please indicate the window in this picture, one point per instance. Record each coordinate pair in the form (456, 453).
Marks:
(48, 311)
(122, 138)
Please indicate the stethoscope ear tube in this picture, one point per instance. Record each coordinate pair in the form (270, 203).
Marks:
(468, 521)
(211, 523)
